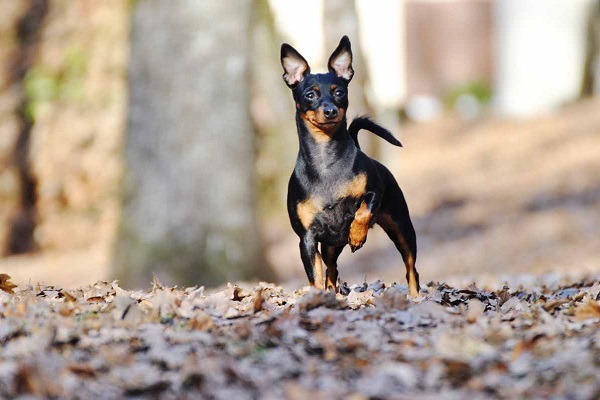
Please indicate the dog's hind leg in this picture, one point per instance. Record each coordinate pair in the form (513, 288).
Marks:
(400, 230)
(330, 256)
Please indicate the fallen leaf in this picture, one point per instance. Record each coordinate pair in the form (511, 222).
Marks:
(258, 301)
(590, 309)
(95, 299)
(552, 305)
(156, 284)
(360, 299)
(201, 322)
(69, 298)
(317, 298)
(457, 372)
(81, 369)
(6, 285)
(237, 294)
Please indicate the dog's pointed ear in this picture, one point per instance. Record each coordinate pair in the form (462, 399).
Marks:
(340, 61)
(294, 66)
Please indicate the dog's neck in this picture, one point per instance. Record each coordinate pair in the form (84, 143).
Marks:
(319, 157)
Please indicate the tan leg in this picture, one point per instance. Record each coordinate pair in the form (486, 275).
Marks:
(359, 227)
(412, 277)
(318, 272)
(406, 249)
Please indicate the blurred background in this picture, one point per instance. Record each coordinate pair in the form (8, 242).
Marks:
(155, 136)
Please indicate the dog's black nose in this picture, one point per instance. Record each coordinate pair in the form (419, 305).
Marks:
(330, 112)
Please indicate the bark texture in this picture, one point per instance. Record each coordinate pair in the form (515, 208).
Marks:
(189, 186)
(10, 97)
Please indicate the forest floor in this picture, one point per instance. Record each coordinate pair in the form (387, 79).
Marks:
(519, 340)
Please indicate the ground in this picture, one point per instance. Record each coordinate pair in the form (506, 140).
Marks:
(521, 339)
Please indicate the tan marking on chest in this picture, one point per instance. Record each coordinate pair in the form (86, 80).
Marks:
(308, 209)
(356, 187)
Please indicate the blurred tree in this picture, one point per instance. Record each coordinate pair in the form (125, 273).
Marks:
(189, 190)
(273, 116)
(20, 238)
(589, 82)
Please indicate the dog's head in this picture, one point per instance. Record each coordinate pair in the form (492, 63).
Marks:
(321, 99)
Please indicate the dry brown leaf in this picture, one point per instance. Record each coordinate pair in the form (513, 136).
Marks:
(360, 299)
(237, 294)
(156, 284)
(458, 372)
(349, 344)
(69, 298)
(202, 322)
(66, 311)
(588, 310)
(82, 369)
(317, 298)
(552, 305)
(258, 301)
(95, 299)
(6, 285)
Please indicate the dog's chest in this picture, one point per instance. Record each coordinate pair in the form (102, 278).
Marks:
(332, 191)
(330, 208)
(332, 224)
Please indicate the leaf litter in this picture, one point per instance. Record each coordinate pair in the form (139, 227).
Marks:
(368, 341)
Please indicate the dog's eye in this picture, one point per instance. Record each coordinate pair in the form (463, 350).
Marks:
(309, 95)
(339, 93)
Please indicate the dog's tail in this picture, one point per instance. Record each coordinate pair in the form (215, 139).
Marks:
(359, 123)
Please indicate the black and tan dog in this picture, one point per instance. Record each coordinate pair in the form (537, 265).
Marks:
(336, 193)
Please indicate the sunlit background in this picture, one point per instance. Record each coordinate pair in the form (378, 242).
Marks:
(149, 136)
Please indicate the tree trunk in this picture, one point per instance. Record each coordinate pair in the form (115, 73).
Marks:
(189, 190)
(589, 80)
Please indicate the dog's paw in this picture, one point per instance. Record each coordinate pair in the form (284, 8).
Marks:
(358, 235)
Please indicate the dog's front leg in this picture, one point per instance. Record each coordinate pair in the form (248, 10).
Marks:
(311, 258)
(362, 221)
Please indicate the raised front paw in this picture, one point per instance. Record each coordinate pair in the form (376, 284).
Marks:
(358, 235)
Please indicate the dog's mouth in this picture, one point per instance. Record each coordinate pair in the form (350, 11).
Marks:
(322, 128)
(326, 126)
(325, 123)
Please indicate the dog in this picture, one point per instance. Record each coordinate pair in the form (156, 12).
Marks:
(336, 192)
